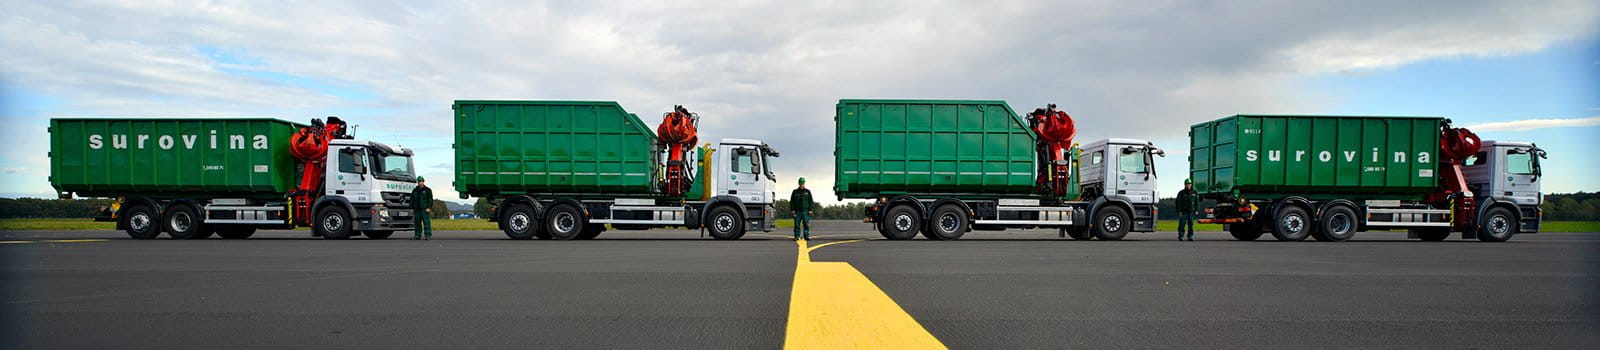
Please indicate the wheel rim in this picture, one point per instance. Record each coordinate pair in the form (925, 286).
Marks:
(724, 223)
(519, 222)
(139, 222)
(565, 222)
(1294, 223)
(902, 222)
(948, 222)
(1112, 223)
(181, 222)
(1339, 224)
(332, 223)
(1499, 225)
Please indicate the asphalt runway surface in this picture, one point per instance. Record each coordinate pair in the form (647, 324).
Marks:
(673, 289)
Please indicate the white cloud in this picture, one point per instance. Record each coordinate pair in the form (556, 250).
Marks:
(1534, 124)
(769, 70)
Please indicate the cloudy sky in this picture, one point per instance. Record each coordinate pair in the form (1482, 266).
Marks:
(772, 70)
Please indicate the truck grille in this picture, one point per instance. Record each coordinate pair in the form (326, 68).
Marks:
(397, 199)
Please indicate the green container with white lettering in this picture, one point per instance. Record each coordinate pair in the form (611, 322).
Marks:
(954, 148)
(578, 148)
(1350, 157)
(168, 158)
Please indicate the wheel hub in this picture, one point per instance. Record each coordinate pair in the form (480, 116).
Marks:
(332, 223)
(948, 222)
(1293, 223)
(724, 223)
(902, 222)
(181, 221)
(1112, 223)
(519, 222)
(565, 222)
(139, 222)
(1340, 223)
(1499, 225)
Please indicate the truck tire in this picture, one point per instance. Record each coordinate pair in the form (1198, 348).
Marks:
(1336, 224)
(1081, 234)
(235, 232)
(950, 222)
(724, 222)
(591, 231)
(1432, 234)
(183, 222)
(378, 234)
(901, 222)
(332, 223)
(1245, 231)
(519, 223)
(1291, 224)
(1111, 223)
(564, 222)
(1497, 225)
(141, 222)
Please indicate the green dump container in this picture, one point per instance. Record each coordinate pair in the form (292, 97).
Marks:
(946, 147)
(167, 158)
(568, 147)
(1353, 157)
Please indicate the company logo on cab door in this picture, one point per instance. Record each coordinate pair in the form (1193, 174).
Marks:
(1274, 155)
(141, 141)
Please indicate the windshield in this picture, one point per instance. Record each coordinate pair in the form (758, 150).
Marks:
(766, 165)
(1519, 163)
(395, 167)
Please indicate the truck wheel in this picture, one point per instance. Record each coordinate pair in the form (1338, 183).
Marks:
(235, 232)
(378, 234)
(332, 223)
(902, 222)
(1498, 225)
(1336, 224)
(1081, 234)
(1291, 224)
(182, 222)
(564, 222)
(141, 222)
(724, 222)
(1431, 234)
(591, 231)
(518, 223)
(1111, 223)
(949, 223)
(1247, 231)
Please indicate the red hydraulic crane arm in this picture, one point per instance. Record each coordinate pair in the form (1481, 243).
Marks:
(678, 133)
(310, 146)
(1055, 130)
(1455, 145)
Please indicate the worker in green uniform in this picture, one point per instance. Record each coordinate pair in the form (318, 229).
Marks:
(422, 204)
(800, 203)
(1188, 204)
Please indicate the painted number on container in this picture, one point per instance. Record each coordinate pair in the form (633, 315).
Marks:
(261, 168)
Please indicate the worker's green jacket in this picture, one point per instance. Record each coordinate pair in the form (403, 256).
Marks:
(421, 198)
(800, 201)
(1187, 202)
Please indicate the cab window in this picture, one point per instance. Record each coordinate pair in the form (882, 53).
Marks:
(1519, 163)
(1097, 157)
(744, 161)
(1477, 159)
(352, 159)
(1131, 162)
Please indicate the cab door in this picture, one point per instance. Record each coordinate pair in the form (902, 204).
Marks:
(743, 175)
(1521, 176)
(1135, 174)
(347, 174)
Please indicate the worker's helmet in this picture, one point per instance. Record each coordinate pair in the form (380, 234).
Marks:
(1188, 181)
(420, 179)
(802, 181)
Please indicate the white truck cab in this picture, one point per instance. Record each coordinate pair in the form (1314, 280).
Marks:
(371, 182)
(1120, 168)
(744, 170)
(1506, 174)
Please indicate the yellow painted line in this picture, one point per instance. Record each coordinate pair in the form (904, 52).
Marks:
(834, 306)
(819, 246)
(15, 242)
(74, 240)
